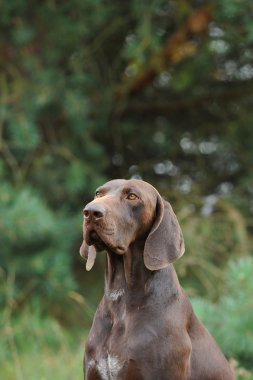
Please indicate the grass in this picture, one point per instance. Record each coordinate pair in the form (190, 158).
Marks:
(34, 347)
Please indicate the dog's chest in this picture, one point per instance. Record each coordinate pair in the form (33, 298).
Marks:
(105, 352)
(108, 359)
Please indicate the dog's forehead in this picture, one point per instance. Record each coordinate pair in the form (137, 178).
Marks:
(131, 184)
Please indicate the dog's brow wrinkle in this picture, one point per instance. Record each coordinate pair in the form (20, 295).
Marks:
(128, 190)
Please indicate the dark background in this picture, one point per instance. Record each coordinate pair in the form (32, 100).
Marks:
(95, 90)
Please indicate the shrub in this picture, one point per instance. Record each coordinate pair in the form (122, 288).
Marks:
(230, 319)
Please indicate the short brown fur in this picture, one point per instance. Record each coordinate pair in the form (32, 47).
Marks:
(144, 327)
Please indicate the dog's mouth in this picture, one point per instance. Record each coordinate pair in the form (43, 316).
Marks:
(97, 241)
(94, 239)
(103, 242)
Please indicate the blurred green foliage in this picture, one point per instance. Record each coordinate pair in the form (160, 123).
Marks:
(159, 90)
(34, 347)
(230, 319)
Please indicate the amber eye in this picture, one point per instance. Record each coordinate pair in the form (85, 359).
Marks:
(98, 194)
(132, 196)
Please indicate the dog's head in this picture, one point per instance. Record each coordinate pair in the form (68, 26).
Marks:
(125, 211)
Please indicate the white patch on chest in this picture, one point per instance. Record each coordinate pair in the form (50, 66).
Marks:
(114, 366)
(102, 369)
(91, 364)
(108, 368)
(114, 295)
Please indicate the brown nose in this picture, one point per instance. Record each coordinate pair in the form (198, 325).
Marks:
(94, 211)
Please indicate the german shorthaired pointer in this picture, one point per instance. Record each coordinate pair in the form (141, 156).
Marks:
(144, 327)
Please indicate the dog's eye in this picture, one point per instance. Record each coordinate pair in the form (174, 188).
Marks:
(132, 196)
(98, 194)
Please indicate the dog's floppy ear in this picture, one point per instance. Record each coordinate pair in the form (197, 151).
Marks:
(165, 242)
(88, 253)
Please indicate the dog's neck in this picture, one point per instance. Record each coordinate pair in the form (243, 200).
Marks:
(127, 275)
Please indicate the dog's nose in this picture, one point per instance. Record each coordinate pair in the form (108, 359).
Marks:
(94, 211)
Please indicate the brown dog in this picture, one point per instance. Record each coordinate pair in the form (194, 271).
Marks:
(144, 327)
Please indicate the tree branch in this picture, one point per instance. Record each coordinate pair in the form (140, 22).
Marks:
(178, 47)
(165, 107)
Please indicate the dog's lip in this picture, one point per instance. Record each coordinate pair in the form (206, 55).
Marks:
(93, 237)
